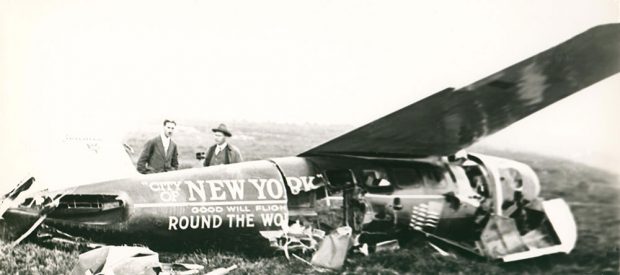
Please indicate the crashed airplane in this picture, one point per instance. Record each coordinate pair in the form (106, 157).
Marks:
(405, 173)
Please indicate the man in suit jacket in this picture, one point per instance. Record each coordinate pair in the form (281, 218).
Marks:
(160, 153)
(222, 152)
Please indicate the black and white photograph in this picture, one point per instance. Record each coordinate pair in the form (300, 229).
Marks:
(309, 137)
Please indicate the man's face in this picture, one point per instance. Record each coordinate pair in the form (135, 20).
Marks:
(220, 138)
(169, 129)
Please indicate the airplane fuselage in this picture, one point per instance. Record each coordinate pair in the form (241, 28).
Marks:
(214, 204)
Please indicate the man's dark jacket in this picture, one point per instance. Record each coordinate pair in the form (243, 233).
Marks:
(231, 154)
(153, 159)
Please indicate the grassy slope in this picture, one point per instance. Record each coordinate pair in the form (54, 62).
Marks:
(598, 216)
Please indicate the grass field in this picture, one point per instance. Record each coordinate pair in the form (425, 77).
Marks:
(593, 194)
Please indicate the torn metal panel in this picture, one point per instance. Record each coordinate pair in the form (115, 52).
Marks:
(333, 250)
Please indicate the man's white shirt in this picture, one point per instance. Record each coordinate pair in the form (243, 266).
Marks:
(166, 141)
(220, 147)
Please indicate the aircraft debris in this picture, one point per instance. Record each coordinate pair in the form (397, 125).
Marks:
(117, 260)
(179, 269)
(14, 195)
(440, 251)
(391, 245)
(53, 235)
(16, 231)
(362, 249)
(222, 270)
(333, 249)
(298, 238)
(111, 260)
(34, 226)
(302, 260)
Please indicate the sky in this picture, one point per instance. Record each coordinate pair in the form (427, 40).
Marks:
(113, 64)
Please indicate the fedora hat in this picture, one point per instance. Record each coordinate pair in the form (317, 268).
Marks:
(222, 129)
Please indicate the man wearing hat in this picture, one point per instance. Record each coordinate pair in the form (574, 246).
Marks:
(222, 152)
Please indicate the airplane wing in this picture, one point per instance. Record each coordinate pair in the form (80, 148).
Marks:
(450, 120)
(87, 157)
